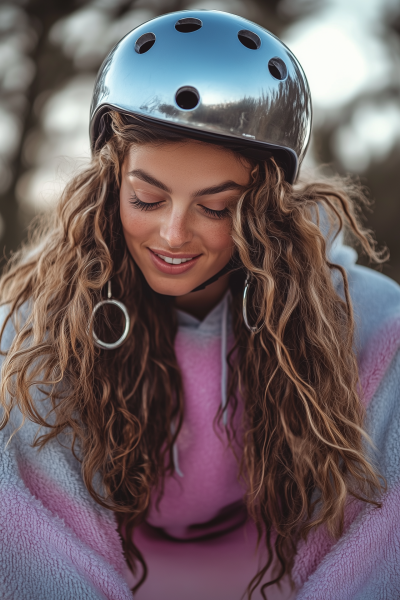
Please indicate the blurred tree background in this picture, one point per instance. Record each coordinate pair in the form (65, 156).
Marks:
(50, 52)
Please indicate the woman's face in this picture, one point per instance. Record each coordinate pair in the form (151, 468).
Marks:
(173, 205)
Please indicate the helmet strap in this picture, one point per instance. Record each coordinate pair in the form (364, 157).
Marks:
(233, 265)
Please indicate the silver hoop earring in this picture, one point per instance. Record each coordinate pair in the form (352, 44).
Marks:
(246, 322)
(99, 343)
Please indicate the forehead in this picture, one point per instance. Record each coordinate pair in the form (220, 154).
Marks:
(189, 161)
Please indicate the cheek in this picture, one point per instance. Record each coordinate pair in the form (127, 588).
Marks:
(135, 223)
(216, 236)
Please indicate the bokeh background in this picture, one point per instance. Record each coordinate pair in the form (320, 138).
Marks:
(50, 51)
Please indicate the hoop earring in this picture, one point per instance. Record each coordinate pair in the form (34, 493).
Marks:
(99, 343)
(246, 322)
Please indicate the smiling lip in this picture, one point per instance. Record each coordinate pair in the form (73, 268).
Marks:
(165, 267)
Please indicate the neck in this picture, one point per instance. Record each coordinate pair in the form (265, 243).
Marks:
(199, 304)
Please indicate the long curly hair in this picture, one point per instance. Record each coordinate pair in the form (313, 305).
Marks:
(304, 446)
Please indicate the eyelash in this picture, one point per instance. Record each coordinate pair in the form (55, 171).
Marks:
(219, 214)
(143, 205)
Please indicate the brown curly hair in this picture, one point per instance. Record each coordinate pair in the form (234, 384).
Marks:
(303, 447)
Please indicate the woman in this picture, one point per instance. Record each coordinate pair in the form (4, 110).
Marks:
(190, 349)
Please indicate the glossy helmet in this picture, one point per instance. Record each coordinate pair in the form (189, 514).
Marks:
(218, 77)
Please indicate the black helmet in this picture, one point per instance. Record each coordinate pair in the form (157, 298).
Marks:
(219, 77)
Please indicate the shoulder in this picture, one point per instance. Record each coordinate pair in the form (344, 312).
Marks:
(375, 297)
(12, 322)
(376, 304)
(376, 301)
(8, 330)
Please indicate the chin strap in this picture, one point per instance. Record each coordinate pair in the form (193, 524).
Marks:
(233, 265)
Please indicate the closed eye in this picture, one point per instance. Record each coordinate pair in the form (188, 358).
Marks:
(146, 206)
(134, 200)
(220, 214)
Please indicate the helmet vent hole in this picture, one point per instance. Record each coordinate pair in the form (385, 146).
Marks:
(188, 25)
(249, 39)
(187, 98)
(277, 68)
(144, 43)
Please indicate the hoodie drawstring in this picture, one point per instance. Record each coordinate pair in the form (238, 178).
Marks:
(224, 365)
(224, 380)
(175, 454)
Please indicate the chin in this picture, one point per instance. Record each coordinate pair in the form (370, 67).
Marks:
(172, 288)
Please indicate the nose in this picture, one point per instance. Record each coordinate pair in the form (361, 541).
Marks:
(175, 229)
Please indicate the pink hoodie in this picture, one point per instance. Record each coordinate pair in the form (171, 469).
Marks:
(205, 485)
(204, 496)
(57, 542)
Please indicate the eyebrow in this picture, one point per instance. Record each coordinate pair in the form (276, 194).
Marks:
(215, 189)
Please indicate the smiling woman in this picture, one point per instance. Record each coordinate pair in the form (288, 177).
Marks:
(222, 444)
(175, 202)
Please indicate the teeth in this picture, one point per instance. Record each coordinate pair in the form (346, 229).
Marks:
(173, 261)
